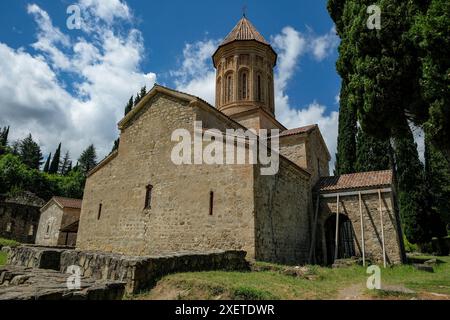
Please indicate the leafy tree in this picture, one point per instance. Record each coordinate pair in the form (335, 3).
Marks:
(129, 106)
(431, 35)
(141, 94)
(412, 192)
(372, 154)
(437, 171)
(65, 163)
(346, 148)
(4, 139)
(47, 163)
(116, 145)
(54, 165)
(88, 159)
(30, 152)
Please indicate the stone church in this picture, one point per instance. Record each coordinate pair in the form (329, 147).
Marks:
(138, 202)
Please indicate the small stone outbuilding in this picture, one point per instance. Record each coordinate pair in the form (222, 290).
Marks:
(19, 216)
(58, 225)
(357, 218)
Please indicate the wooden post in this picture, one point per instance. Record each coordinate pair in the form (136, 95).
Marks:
(313, 238)
(363, 242)
(382, 228)
(336, 243)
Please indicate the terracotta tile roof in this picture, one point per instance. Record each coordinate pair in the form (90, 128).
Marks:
(244, 30)
(356, 181)
(296, 131)
(68, 202)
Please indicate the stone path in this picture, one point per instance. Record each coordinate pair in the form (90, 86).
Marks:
(21, 283)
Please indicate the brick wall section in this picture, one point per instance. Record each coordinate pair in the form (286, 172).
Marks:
(349, 205)
(283, 215)
(50, 220)
(179, 218)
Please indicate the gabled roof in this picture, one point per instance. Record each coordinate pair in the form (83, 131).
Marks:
(63, 203)
(363, 180)
(244, 30)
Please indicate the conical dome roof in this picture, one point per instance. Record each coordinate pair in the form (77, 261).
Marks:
(244, 30)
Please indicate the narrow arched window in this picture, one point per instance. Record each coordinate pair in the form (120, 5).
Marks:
(148, 197)
(244, 86)
(270, 94)
(229, 88)
(258, 88)
(211, 203)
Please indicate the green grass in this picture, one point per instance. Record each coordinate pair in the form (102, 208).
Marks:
(327, 283)
(2, 258)
(8, 243)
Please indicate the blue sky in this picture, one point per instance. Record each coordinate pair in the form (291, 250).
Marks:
(77, 81)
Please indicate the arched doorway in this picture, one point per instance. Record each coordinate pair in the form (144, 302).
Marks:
(346, 245)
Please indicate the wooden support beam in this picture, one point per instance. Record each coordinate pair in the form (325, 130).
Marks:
(336, 243)
(363, 242)
(313, 238)
(382, 227)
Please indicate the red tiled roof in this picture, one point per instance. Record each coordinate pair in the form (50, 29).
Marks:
(244, 30)
(356, 181)
(296, 131)
(68, 202)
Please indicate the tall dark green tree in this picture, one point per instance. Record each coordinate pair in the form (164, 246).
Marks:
(129, 106)
(4, 139)
(437, 171)
(30, 152)
(346, 146)
(412, 191)
(116, 145)
(65, 163)
(372, 154)
(141, 94)
(47, 163)
(431, 35)
(88, 159)
(54, 165)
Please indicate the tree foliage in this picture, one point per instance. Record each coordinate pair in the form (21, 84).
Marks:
(30, 152)
(88, 159)
(54, 165)
(372, 154)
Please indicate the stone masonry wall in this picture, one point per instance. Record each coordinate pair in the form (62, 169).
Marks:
(139, 273)
(179, 218)
(349, 206)
(283, 216)
(50, 220)
(22, 221)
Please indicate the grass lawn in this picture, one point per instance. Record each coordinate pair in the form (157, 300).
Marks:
(326, 283)
(2, 258)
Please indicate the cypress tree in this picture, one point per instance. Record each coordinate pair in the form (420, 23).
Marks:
(129, 106)
(64, 165)
(54, 166)
(4, 139)
(437, 171)
(116, 145)
(47, 163)
(372, 154)
(88, 159)
(412, 192)
(30, 152)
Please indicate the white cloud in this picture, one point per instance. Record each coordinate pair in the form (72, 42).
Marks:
(323, 46)
(196, 75)
(105, 63)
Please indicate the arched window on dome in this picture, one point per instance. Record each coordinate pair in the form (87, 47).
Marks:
(229, 88)
(243, 85)
(259, 88)
(270, 94)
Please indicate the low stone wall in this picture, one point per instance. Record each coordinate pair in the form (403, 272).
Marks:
(22, 283)
(139, 273)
